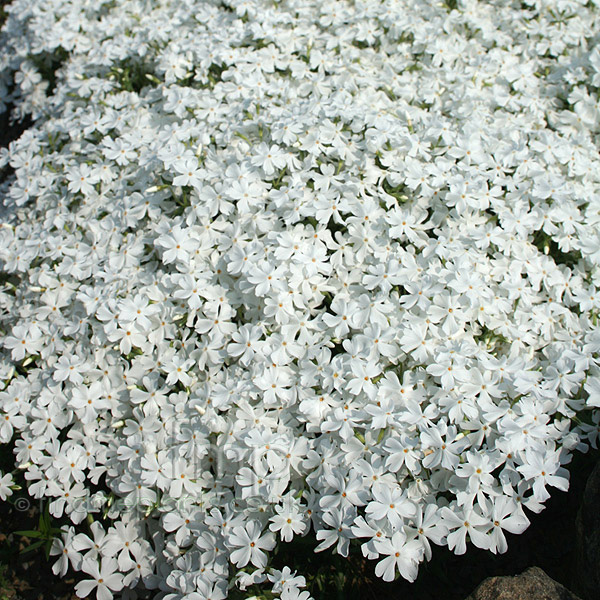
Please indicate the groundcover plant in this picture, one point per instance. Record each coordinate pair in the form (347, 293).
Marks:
(288, 268)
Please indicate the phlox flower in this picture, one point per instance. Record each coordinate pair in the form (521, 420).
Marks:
(189, 174)
(177, 245)
(249, 544)
(362, 378)
(82, 178)
(69, 367)
(62, 546)
(543, 470)
(288, 522)
(91, 548)
(507, 515)
(403, 555)
(391, 504)
(176, 370)
(6, 481)
(592, 387)
(105, 579)
(24, 340)
(339, 534)
(461, 523)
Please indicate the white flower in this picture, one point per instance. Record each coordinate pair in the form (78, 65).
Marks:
(390, 504)
(189, 173)
(285, 580)
(6, 481)
(82, 178)
(176, 369)
(69, 367)
(402, 555)
(506, 514)
(592, 387)
(288, 521)
(106, 579)
(269, 158)
(120, 541)
(178, 244)
(543, 470)
(340, 532)
(24, 340)
(463, 522)
(249, 545)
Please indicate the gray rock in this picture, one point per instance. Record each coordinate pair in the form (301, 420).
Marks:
(587, 567)
(532, 584)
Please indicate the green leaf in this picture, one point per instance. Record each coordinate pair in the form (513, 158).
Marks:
(29, 533)
(47, 548)
(44, 523)
(32, 547)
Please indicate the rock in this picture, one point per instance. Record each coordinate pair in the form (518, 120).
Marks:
(532, 584)
(587, 567)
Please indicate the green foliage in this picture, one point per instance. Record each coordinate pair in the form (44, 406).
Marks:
(133, 76)
(44, 535)
(3, 16)
(215, 72)
(546, 244)
(48, 64)
(400, 192)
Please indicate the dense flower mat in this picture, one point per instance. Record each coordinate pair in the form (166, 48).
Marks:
(287, 268)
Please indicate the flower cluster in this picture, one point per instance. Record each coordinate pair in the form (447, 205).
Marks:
(276, 269)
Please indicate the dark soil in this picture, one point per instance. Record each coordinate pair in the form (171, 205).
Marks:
(26, 575)
(11, 131)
